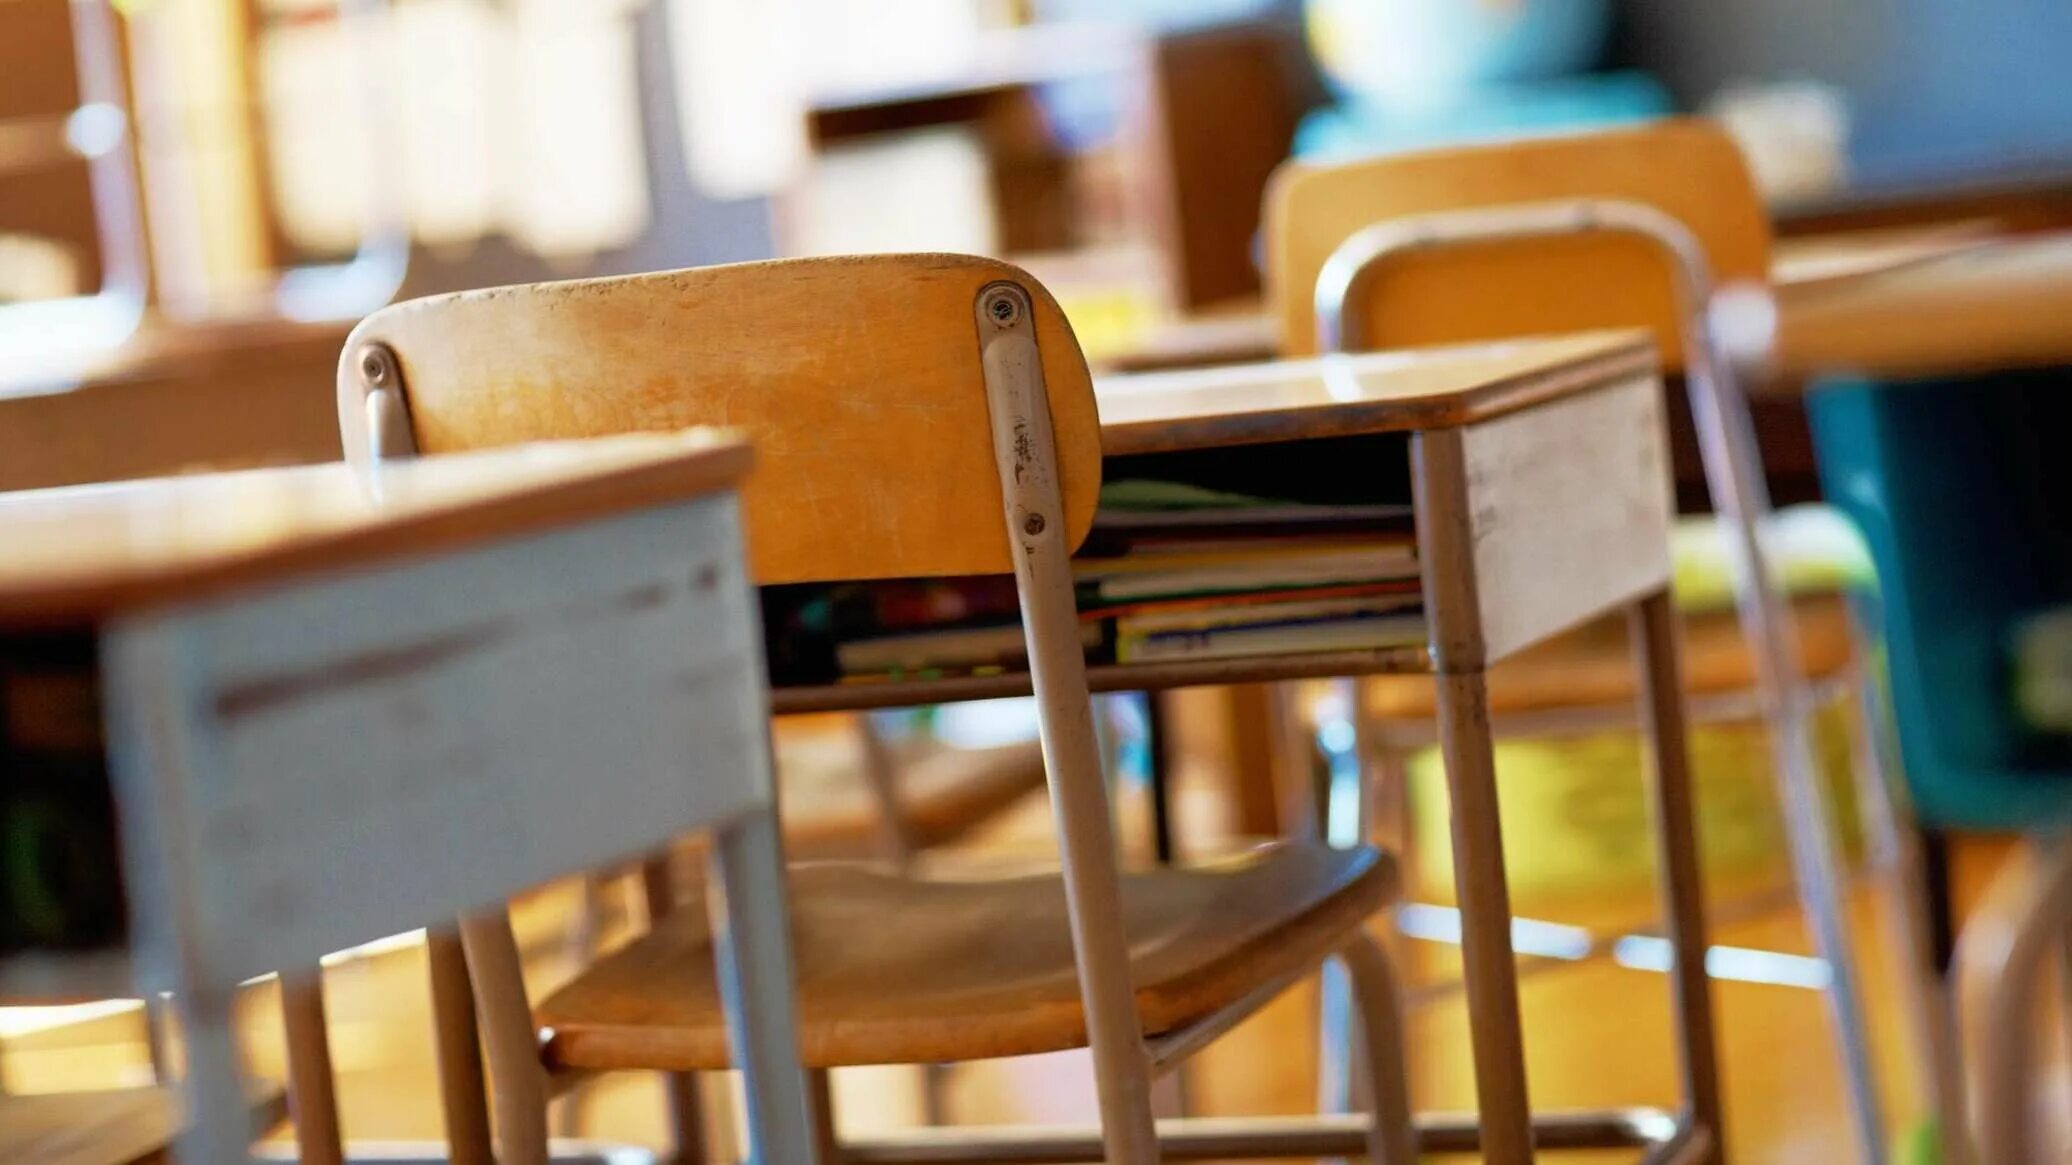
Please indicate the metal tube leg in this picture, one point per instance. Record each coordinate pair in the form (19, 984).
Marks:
(1488, 964)
(1904, 892)
(1733, 471)
(463, 1094)
(219, 1118)
(1344, 813)
(750, 924)
(1391, 1135)
(312, 1099)
(1653, 631)
(157, 1038)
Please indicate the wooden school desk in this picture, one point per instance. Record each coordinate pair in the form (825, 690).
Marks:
(1540, 477)
(337, 709)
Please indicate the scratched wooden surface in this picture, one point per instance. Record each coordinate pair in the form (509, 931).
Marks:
(1687, 168)
(859, 378)
(79, 553)
(1380, 392)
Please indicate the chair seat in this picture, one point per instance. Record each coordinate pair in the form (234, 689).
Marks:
(943, 792)
(1590, 666)
(899, 970)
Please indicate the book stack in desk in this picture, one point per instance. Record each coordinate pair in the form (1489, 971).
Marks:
(1171, 571)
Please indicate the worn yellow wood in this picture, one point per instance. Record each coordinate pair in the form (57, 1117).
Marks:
(895, 970)
(1370, 392)
(858, 378)
(82, 552)
(1687, 168)
(129, 1126)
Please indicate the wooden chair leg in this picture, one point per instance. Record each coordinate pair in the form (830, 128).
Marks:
(515, 1072)
(312, 1097)
(457, 1041)
(1652, 627)
(2002, 957)
(820, 1109)
(1378, 995)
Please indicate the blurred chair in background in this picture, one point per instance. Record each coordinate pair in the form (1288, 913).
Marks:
(1622, 228)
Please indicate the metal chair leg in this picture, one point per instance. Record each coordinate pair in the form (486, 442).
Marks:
(1345, 819)
(1896, 859)
(1391, 1137)
(312, 1097)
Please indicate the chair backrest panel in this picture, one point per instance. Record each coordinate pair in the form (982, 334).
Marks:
(1687, 168)
(858, 378)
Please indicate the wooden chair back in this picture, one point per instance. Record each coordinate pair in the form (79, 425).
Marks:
(857, 378)
(1686, 168)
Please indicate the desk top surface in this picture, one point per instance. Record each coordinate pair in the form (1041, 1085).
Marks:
(81, 553)
(1914, 302)
(1374, 392)
(1993, 306)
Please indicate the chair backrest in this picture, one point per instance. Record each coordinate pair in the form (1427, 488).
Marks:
(858, 379)
(1685, 168)
(912, 415)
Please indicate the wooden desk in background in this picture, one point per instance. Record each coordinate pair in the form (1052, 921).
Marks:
(178, 399)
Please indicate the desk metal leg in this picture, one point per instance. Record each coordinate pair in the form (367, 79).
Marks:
(219, 1118)
(1490, 969)
(750, 924)
(1653, 630)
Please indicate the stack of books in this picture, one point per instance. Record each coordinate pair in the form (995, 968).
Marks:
(1179, 572)
(1171, 571)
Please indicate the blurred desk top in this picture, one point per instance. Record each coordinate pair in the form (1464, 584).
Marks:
(1372, 392)
(82, 553)
(216, 396)
(1998, 305)
(1906, 302)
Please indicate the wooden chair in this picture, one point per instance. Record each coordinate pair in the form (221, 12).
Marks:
(913, 416)
(1633, 227)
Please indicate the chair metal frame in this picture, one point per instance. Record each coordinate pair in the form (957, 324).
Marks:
(1740, 496)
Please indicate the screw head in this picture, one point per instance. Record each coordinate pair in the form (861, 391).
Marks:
(1003, 309)
(1033, 525)
(378, 366)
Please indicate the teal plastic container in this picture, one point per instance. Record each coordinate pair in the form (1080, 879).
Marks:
(1962, 490)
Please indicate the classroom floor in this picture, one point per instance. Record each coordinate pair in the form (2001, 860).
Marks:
(1597, 1033)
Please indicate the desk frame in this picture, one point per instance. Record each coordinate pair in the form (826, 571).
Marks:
(426, 705)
